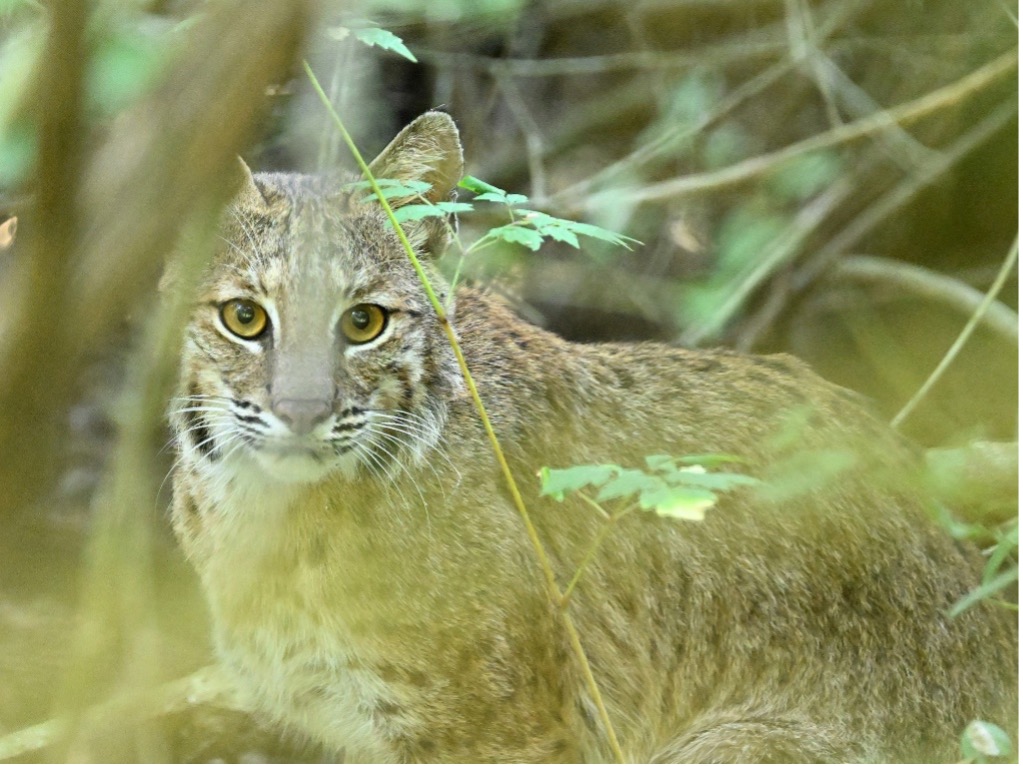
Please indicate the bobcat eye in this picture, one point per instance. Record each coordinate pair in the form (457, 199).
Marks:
(245, 318)
(363, 323)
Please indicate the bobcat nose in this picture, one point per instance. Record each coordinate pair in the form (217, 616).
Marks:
(302, 415)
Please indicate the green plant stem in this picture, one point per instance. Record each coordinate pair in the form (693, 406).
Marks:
(554, 592)
(598, 540)
(960, 341)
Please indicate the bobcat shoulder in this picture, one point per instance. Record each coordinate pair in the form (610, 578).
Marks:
(371, 584)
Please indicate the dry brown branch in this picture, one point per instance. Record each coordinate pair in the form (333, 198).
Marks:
(603, 112)
(931, 286)
(140, 186)
(25, 357)
(936, 100)
(784, 249)
(887, 204)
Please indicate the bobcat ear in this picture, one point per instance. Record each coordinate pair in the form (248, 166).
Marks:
(429, 150)
(246, 192)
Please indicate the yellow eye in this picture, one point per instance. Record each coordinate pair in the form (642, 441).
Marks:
(245, 318)
(363, 323)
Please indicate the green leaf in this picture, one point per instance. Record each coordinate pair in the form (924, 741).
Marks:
(562, 235)
(805, 175)
(1008, 543)
(520, 235)
(683, 503)
(489, 193)
(502, 198)
(982, 740)
(383, 39)
(628, 482)
(555, 482)
(717, 481)
(391, 188)
(596, 232)
(18, 143)
(478, 186)
(417, 212)
(985, 590)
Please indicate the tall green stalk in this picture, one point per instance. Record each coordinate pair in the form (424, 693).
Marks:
(553, 590)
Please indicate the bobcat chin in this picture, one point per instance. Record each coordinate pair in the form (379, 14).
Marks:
(371, 584)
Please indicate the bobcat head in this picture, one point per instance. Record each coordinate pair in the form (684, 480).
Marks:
(312, 347)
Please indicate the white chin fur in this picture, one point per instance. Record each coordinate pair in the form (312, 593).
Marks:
(294, 468)
(297, 467)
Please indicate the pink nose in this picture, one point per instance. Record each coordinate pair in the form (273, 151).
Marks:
(302, 415)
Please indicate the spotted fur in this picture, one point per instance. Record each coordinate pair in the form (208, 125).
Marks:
(372, 586)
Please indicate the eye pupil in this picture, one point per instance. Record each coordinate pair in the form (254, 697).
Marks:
(363, 323)
(360, 318)
(244, 318)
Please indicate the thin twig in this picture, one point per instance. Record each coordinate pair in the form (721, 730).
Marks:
(783, 249)
(554, 592)
(799, 25)
(588, 65)
(967, 331)
(573, 197)
(598, 540)
(531, 133)
(896, 198)
(754, 167)
(834, 249)
(931, 285)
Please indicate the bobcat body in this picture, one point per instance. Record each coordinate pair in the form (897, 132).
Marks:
(371, 584)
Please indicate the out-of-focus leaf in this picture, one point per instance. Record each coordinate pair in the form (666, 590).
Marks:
(383, 39)
(555, 482)
(805, 175)
(123, 66)
(982, 740)
(17, 152)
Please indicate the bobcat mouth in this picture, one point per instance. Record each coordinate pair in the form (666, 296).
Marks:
(294, 450)
(296, 462)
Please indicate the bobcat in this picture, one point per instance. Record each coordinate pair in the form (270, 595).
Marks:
(372, 586)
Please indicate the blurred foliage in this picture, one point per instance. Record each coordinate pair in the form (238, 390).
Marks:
(701, 129)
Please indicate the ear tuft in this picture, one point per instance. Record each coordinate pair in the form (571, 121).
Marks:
(246, 192)
(429, 150)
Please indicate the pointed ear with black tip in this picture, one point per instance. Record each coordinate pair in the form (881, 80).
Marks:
(246, 192)
(429, 150)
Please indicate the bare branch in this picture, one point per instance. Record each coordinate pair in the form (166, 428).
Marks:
(939, 99)
(932, 286)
